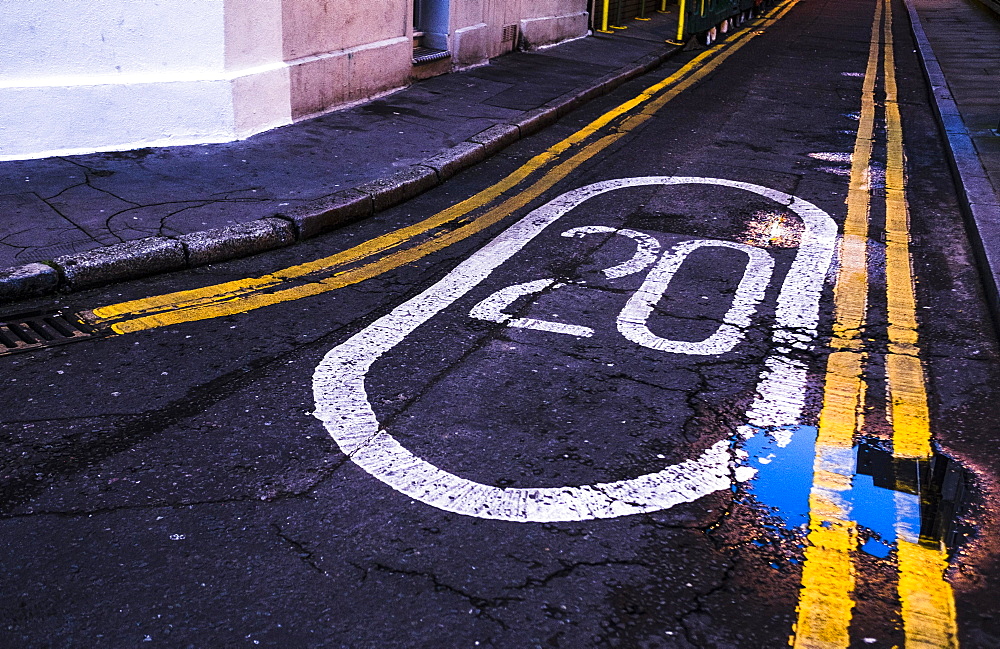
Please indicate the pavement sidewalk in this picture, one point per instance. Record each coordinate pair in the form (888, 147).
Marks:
(103, 217)
(959, 42)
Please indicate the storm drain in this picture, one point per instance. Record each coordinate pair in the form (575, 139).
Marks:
(24, 332)
(428, 55)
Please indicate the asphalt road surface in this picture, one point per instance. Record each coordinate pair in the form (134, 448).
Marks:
(705, 364)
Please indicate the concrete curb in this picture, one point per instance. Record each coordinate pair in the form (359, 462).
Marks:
(28, 280)
(980, 203)
(210, 246)
(143, 257)
(120, 261)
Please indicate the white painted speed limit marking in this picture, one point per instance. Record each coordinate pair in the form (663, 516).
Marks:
(632, 322)
(342, 403)
(647, 248)
(491, 309)
(633, 318)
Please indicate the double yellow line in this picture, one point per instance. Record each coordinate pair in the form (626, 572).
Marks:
(825, 601)
(443, 229)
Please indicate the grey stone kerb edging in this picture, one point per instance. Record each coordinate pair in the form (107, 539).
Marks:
(142, 257)
(982, 209)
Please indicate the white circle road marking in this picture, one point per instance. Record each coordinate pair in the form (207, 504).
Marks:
(342, 403)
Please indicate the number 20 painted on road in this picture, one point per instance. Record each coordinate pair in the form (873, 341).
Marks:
(633, 318)
(343, 406)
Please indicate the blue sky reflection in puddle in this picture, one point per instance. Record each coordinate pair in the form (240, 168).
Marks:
(784, 459)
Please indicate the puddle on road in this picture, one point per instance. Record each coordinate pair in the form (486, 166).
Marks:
(886, 494)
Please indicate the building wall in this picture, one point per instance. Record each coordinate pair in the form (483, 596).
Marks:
(478, 25)
(254, 61)
(90, 75)
(544, 22)
(340, 51)
(82, 74)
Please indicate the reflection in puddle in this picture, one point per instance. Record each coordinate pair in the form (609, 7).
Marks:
(784, 463)
(888, 496)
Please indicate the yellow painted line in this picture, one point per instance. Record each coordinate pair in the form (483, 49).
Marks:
(909, 414)
(851, 290)
(246, 294)
(927, 599)
(928, 603)
(825, 606)
(373, 269)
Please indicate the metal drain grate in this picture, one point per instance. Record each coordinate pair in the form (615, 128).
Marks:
(24, 332)
(428, 54)
(509, 34)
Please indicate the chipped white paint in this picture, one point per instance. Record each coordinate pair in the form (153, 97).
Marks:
(342, 403)
(876, 176)
(907, 516)
(780, 398)
(647, 248)
(860, 75)
(491, 309)
(632, 322)
(832, 157)
(552, 327)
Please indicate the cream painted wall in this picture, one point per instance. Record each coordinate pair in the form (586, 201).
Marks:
(84, 75)
(478, 25)
(254, 58)
(341, 51)
(254, 33)
(543, 8)
(314, 27)
(79, 76)
(75, 39)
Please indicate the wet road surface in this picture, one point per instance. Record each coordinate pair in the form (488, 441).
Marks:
(664, 375)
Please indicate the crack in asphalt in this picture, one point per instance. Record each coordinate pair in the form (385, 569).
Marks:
(100, 511)
(569, 567)
(480, 604)
(90, 173)
(305, 554)
(70, 456)
(63, 191)
(699, 602)
(69, 220)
